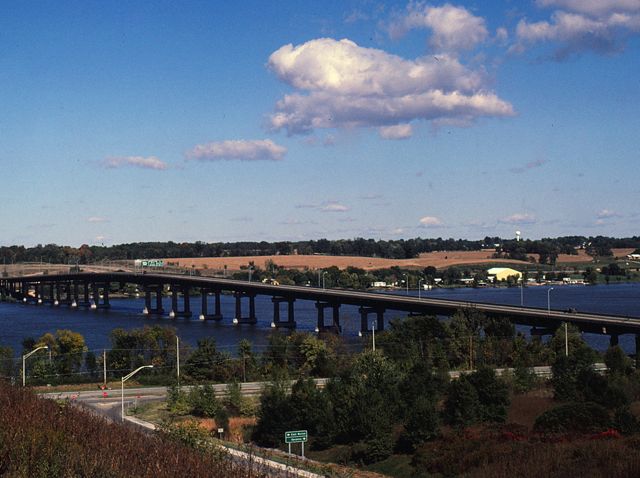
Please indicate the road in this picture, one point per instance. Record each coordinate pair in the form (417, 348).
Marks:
(107, 403)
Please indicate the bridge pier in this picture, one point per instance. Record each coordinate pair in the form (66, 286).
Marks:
(48, 293)
(364, 318)
(251, 319)
(613, 340)
(290, 322)
(186, 311)
(95, 288)
(217, 314)
(335, 326)
(148, 309)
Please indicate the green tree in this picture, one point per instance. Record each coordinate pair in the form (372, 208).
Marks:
(204, 402)
(206, 363)
(493, 395)
(462, 405)
(274, 417)
(421, 425)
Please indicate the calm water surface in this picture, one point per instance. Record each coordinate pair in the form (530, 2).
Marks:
(18, 321)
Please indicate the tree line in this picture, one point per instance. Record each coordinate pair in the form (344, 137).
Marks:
(547, 248)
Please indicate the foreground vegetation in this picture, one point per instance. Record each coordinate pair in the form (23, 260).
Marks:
(396, 409)
(42, 438)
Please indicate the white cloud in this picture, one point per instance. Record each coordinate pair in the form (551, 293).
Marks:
(502, 35)
(593, 7)
(351, 86)
(607, 213)
(454, 28)
(398, 131)
(519, 218)
(431, 221)
(334, 207)
(150, 162)
(97, 219)
(581, 25)
(243, 150)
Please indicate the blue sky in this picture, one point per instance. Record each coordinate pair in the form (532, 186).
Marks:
(212, 121)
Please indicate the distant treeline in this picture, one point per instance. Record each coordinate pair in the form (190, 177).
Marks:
(548, 248)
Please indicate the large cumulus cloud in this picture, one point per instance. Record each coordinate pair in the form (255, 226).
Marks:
(343, 85)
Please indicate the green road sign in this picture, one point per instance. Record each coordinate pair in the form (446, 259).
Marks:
(297, 436)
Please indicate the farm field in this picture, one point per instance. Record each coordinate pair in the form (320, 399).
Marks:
(441, 259)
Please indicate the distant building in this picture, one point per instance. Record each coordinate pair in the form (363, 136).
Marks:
(633, 257)
(501, 273)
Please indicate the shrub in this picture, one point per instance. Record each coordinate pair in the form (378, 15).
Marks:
(178, 400)
(421, 425)
(584, 417)
(204, 402)
(493, 395)
(462, 406)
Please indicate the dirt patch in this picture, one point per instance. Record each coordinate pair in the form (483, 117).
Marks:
(526, 408)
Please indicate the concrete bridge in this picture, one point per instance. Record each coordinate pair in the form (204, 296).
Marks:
(93, 289)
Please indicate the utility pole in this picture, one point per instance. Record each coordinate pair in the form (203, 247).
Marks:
(373, 335)
(104, 366)
(178, 358)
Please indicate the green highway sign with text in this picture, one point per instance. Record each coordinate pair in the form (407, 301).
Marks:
(297, 436)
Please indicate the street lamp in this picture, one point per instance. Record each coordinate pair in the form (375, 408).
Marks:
(549, 300)
(323, 274)
(420, 288)
(25, 357)
(250, 272)
(124, 379)
(373, 335)
(406, 278)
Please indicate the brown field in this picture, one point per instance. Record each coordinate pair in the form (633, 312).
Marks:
(439, 260)
(435, 259)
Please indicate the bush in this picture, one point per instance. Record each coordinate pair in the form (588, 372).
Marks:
(493, 395)
(462, 406)
(625, 422)
(204, 402)
(421, 425)
(584, 417)
(524, 379)
(178, 400)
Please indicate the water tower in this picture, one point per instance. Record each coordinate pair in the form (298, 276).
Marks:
(518, 236)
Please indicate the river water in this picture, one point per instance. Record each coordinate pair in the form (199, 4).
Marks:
(18, 321)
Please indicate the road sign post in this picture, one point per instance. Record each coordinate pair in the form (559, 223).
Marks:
(296, 436)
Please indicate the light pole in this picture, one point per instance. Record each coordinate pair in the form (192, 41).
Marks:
(406, 279)
(25, 357)
(549, 300)
(566, 340)
(250, 272)
(124, 379)
(373, 335)
(521, 290)
(323, 274)
(420, 288)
